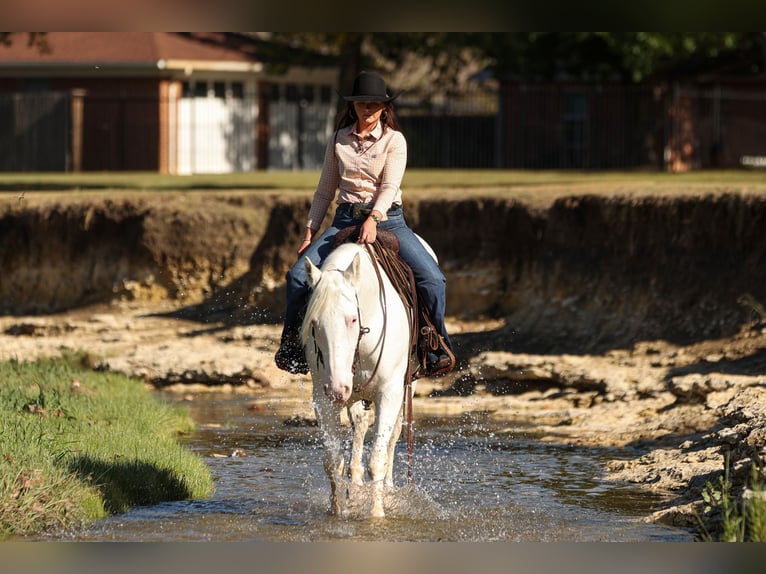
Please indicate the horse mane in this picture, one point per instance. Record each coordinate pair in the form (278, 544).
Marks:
(325, 291)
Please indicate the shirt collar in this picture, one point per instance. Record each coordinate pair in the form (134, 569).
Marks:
(376, 132)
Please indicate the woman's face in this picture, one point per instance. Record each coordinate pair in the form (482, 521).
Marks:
(368, 113)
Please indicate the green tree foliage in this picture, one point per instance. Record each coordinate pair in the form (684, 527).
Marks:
(541, 56)
(625, 56)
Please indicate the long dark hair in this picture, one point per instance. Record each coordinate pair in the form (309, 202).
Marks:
(387, 118)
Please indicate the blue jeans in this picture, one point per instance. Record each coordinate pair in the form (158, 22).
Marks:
(430, 281)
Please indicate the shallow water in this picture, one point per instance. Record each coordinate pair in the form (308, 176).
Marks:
(470, 484)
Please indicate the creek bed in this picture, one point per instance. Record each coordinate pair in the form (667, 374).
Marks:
(471, 483)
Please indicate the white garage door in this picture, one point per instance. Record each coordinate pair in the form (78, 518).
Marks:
(216, 128)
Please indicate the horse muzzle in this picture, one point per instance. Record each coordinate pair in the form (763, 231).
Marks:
(337, 392)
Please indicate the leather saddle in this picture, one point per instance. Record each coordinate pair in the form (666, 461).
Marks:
(387, 239)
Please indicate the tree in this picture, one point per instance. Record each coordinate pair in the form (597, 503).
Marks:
(409, 60)
(624, 56)
(413, 60)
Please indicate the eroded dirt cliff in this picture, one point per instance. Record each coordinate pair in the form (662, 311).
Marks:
(586, 273)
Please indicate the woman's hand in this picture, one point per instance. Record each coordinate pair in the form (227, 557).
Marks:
(305, 244)
(368, 231)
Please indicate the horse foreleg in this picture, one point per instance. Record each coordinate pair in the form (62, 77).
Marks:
(360, 418)
(387, 418)
(328, 417)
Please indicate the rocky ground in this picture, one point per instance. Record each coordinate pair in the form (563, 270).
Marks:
(677, 410)
(625, 314)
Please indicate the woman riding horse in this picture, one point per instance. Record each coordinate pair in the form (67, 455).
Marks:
(365, 160)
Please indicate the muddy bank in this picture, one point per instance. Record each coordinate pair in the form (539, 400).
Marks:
(585, 273)
(633, 321)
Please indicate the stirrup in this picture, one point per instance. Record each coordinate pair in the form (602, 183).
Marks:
(443, 365)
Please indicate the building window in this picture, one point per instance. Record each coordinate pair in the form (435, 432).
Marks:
(200, 89)
(218, 89)
(291, 93)
(307, 94)
(325, 94)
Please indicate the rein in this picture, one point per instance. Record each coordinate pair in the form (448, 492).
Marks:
(364, 330)
(393, 269)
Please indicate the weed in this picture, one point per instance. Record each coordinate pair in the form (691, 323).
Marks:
(732, 519)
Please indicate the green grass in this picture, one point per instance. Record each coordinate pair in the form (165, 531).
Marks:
(414, 178)
(538, 189)
(730, 519)
(77, 445)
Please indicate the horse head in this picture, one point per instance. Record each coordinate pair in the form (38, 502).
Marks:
(331, 330)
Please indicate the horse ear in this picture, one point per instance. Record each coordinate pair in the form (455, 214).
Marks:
(352, 273)
(312, 272)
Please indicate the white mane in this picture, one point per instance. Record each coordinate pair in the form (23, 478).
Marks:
(326, 291)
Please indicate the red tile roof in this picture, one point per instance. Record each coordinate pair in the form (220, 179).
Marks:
(129, 47)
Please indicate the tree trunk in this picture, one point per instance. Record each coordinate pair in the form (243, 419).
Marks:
(350, 65)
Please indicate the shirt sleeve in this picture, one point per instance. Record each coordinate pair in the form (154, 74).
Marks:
(392, 174)
(326, 188)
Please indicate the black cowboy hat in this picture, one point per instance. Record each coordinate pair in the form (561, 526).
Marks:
(369, 87)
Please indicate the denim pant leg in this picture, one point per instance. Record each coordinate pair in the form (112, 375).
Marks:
(296, 281)
(432, 285)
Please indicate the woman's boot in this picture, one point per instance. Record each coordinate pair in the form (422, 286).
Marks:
(290, 356)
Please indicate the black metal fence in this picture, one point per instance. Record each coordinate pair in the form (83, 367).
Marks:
(451, 132)
(582, 127)
(34, 132)
(518, 127)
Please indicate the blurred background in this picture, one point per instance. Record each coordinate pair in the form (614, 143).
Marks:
(204, 102)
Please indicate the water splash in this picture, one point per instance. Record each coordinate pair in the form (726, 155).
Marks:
(472, 482)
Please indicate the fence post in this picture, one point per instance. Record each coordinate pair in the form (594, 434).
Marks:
(262, 125)
(78, 104)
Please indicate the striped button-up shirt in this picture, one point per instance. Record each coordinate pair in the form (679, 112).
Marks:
(368, 170)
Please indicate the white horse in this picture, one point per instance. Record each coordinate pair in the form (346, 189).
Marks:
(356, 337)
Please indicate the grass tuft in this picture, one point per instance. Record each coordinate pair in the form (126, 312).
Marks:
(733, 519)
(77, 445)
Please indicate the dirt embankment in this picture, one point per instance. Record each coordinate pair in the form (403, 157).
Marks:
(633, 321)
(587, 273)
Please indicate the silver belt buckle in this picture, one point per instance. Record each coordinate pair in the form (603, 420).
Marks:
(360, 210)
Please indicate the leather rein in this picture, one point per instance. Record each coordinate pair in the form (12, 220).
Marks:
(378, 253)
